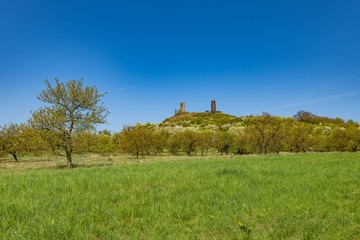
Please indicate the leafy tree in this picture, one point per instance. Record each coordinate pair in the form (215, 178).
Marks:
(266, 132)
(299, 136)
(353, 132)
(105, 132)
(339, 140)
(14, 140)
(136, 140)
(223, 141)
(304, 116)
(175, 143)
(241, 143)
(89, 142)
(188, 141)
(320, 139)
(71, 107)
(103, 144)
(204, 141)
(159, 141)
(84, 142)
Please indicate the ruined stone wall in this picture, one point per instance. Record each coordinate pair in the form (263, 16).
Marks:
(182, 108)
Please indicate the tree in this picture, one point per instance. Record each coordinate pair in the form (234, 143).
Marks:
(299, 136)
(265, 132)
(136, 140)
(103, 144)
(188, 141)
(304, 116)
(241, 143)
(174, 143)
(354, 137)
(339, 139)
(204, 141)
(14, 140)
(159, 141)
(84, 142)
(223, 141)
(70, 108)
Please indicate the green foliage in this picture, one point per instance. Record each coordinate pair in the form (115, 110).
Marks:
(204, 120)
(223, 141)
(266, 132)
(189, 141)
(175, 143)
(308, 117)
(262, 134)
(339, 139)
(141, 140)
(104, 144)
(299, 137)
(296, 196)
(70, 108)
(17, 139)
(241, 144)
(205, 141)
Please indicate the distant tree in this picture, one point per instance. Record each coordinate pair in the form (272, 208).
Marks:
(105, 132)
(70, 108)
(241, 143)
(353, 132)
(323, 138)
(299, 136)
(175, 143)
(84, 142)
(266, 132)
(204, 141)
(223, 141)
(159, 141)
(103, 144)
(136, 140)
(14, 140)
(304, 116)
(188, 141)
(48, 141)
(339, 139)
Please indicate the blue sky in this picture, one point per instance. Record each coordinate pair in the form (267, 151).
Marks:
(251, 56)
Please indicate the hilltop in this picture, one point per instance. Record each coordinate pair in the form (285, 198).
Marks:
(202, 120)
(212, 119)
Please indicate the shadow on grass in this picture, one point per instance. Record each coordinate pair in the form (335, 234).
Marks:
(92, 165)
(6, 160)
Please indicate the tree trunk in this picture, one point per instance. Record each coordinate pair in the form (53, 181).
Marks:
(15, 157)
(69, 160)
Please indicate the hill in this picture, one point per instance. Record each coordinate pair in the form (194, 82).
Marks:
(203, 120)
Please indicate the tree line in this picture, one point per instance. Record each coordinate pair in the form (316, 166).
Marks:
(66, 125)
(262, 134)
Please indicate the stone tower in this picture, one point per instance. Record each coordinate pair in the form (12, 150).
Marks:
(182, 108)
(213, 106)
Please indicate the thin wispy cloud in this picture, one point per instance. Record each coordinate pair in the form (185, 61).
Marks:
(120, 89)
(324, 99)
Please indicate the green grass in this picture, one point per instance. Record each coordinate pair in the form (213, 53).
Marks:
(305, 196)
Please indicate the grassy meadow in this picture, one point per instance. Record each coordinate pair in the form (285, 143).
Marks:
(293, 196)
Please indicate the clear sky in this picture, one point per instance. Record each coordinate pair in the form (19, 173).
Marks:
(251, 56)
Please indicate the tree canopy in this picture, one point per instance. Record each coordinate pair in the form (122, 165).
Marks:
(70, 107)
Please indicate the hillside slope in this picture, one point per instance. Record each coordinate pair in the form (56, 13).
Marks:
(202, 120)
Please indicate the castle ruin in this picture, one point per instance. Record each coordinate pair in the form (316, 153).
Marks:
(213, 106)
(182, 108)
